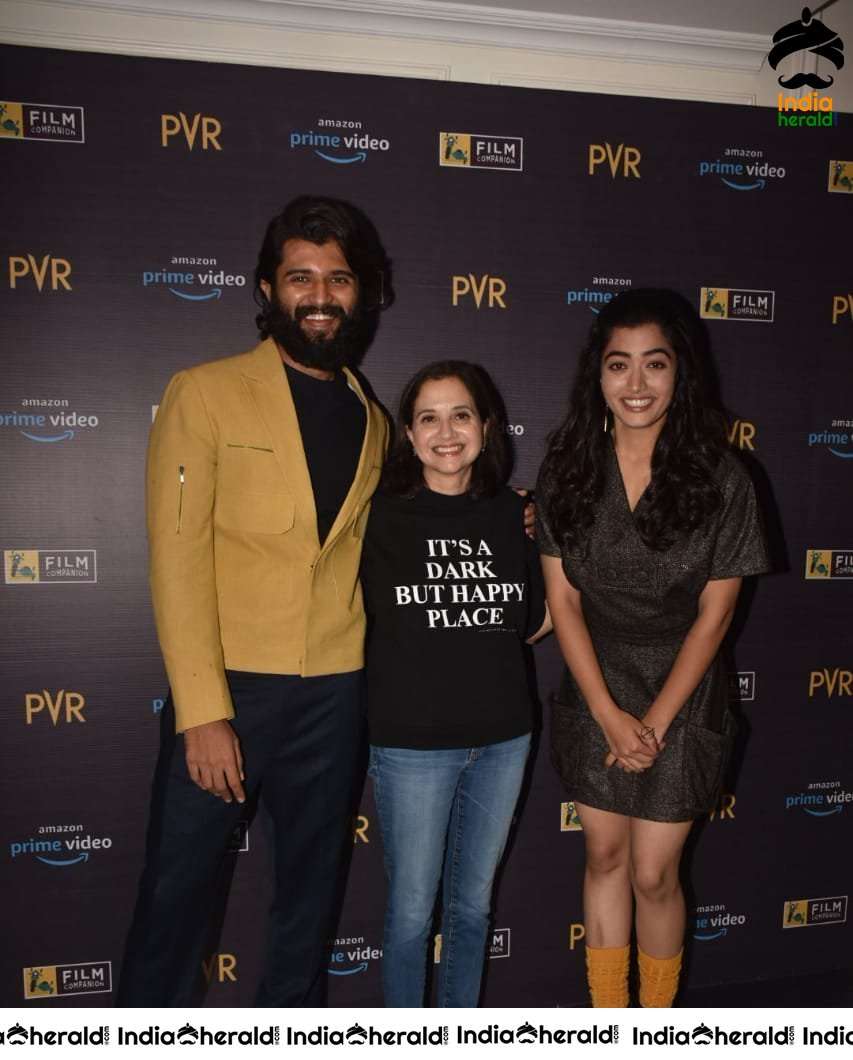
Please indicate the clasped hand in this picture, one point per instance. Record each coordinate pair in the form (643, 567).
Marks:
(634, 746)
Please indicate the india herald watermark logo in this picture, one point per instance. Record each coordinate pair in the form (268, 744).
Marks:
(811, 35)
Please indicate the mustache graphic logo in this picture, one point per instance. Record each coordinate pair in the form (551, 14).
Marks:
(812, 80)
(806, 35)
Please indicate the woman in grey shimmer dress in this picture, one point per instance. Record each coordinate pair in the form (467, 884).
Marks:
(647, 524)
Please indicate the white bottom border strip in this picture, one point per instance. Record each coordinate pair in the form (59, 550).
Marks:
(113, 1033)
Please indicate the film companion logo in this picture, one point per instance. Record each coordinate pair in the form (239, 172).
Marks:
(840, 176)
(31, 566)
(41, 121)
(810, 912)
(726, 303)
(66, 980)
(829, 563)
(481, 151)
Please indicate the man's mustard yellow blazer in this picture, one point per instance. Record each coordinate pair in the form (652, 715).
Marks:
(238, 577)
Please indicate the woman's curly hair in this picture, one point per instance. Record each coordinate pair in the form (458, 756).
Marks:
(682, 493)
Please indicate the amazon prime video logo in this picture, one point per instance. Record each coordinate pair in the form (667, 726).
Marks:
(352, 955)
(59, 845)
(741, 168)
(40, 419)
(192, 278)
(340, 141)
(711, 922)
(821, 798)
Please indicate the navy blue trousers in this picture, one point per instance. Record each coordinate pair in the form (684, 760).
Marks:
(302, 740)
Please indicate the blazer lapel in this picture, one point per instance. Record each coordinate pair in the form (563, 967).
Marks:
(267, 383)
(369, 458)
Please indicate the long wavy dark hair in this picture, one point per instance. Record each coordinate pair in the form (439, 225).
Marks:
(403, 473)
(682, 493)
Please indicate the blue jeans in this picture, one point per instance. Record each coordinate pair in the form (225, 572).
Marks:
(449, 809)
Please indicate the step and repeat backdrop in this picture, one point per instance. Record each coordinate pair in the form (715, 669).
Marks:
(135, 195)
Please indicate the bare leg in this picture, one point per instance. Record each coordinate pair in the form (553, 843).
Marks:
(655, 857)
(607, 877)
(607, 905)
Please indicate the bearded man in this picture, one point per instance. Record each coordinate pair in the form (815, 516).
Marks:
(260, 472)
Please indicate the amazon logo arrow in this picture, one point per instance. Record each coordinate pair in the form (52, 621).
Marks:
(360, 157)
(53, 438)
(744, 187)
(215, 293)
(710, 938)
(349, 971)
(62, 864)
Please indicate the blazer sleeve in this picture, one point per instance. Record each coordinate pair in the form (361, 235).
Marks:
(180, 491)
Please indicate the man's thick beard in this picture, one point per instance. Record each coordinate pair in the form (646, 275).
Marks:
(345, 347)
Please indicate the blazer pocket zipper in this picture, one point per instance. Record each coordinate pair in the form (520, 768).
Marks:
(180, 497)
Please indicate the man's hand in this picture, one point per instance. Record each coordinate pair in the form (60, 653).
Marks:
(214, 761)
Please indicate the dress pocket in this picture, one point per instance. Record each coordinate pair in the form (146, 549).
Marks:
(705, 758)
(573, 731)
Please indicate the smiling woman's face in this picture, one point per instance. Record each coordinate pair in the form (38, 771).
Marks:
(638, 371)
(447, 434)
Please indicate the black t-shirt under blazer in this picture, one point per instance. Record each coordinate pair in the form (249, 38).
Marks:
(452, 589)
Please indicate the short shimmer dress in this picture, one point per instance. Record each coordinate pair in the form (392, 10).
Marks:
(639, 604)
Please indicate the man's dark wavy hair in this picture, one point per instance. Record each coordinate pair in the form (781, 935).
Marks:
(403, 472)
(317, 219)
(682, 493)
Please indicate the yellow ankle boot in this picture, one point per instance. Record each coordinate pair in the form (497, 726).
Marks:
(607, 975)
(658, 979)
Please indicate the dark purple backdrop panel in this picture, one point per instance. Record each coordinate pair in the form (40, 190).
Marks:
(181, 165)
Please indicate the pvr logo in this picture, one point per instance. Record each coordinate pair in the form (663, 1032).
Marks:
(624, 159)
(741, 433)
(220, 966)
(58, 269)
(360, 825)
(177, 125)
(725, 808)
(842, 306)
(66, 706)
(831, 682)
(465, 285)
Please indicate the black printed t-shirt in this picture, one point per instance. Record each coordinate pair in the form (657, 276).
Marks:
(452, 588)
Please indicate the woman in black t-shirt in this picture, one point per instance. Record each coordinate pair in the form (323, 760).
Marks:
(452, 590)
